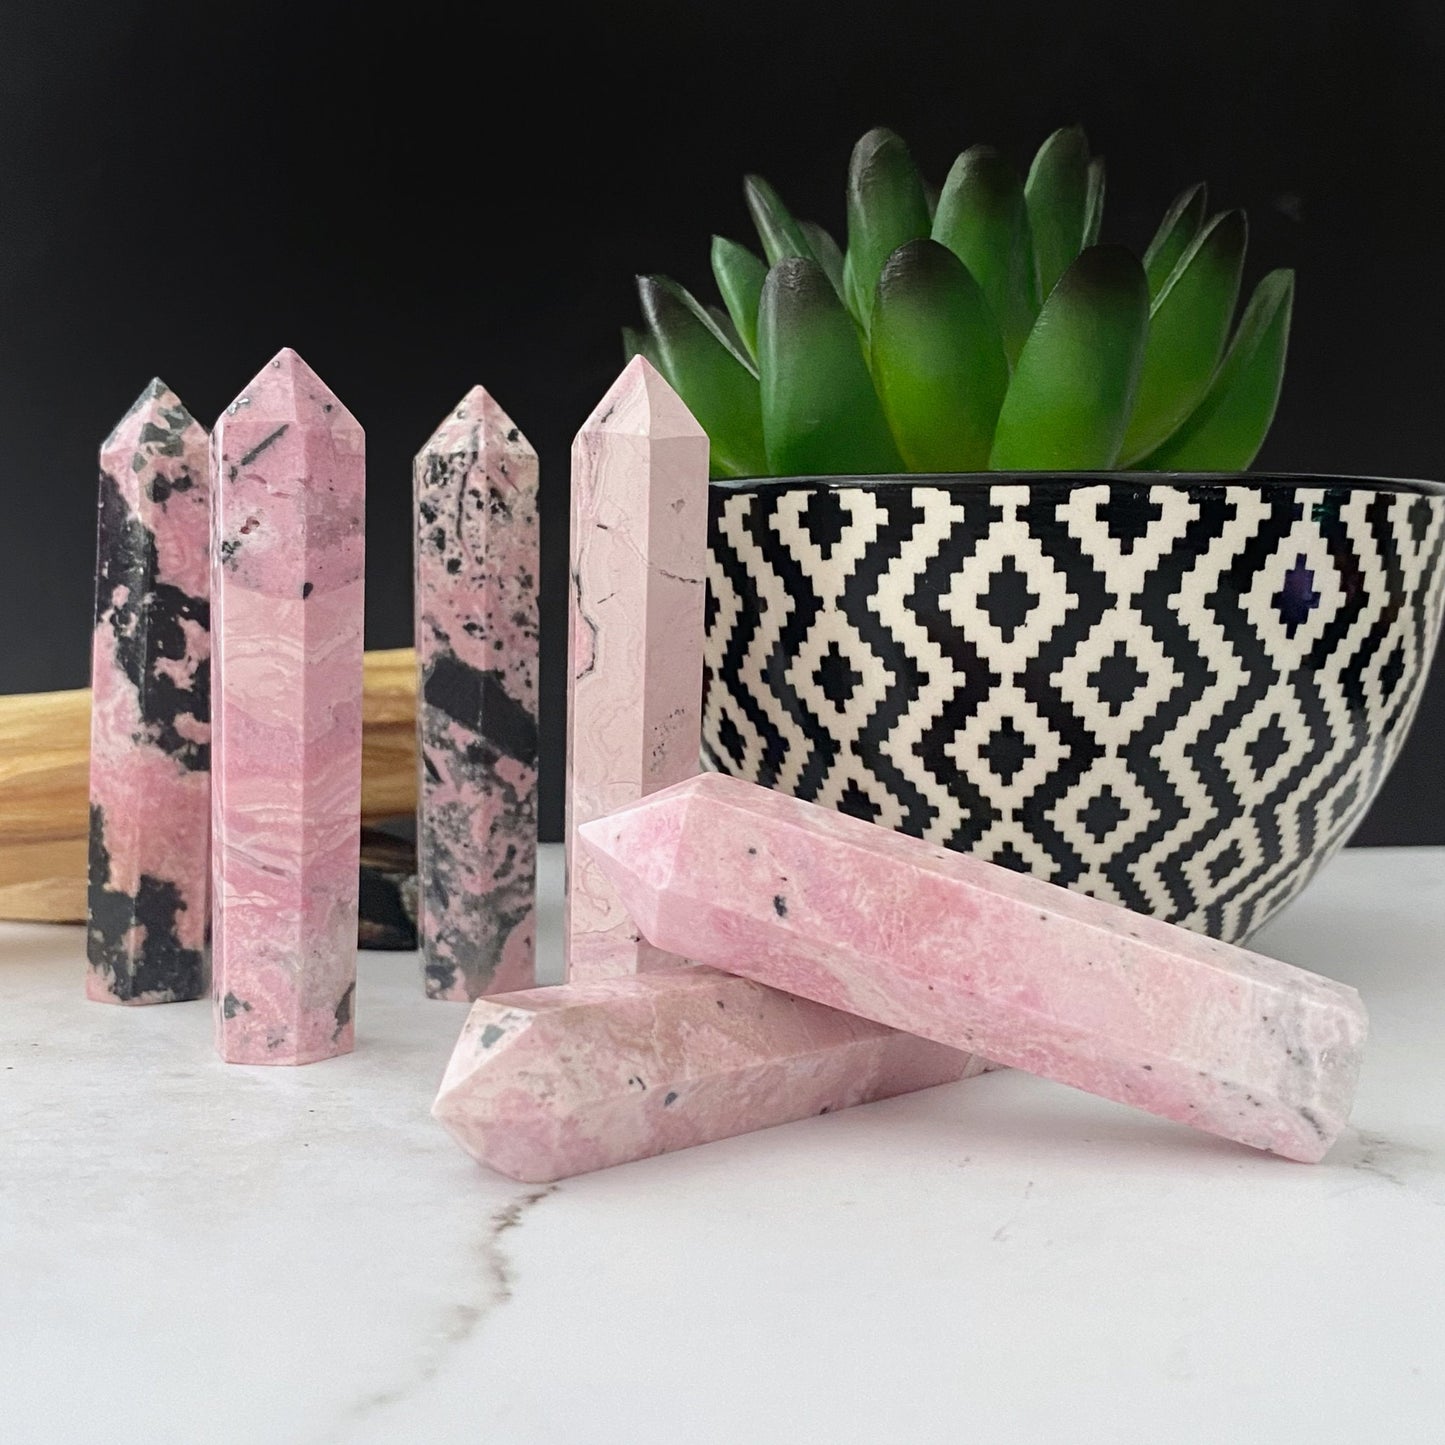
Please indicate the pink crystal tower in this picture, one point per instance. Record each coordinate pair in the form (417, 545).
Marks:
(558, 1081)
(954, 949)
(287, 588)
(150, 744)
(475, 495)
(634, 706)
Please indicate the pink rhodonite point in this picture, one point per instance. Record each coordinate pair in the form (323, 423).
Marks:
(954, 949)
(289, 484)
(475, 496)
(150, 742)
(559, 1081)
(634, 716)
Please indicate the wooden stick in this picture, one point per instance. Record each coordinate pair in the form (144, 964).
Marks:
(44, 784)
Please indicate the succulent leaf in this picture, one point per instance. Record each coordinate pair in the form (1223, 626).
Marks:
(983, 219)
(1073, 389)
(1226, 430)
(1179, 227)
(729, 333)
(826, 252)
(938, 359)
(637, 342)
(886, 207)
(821, 415)
(853, 297)
(1188, 327)
(719, 386)
(780, 234)
(1057, 191)
(739, 275)
(1094, 202)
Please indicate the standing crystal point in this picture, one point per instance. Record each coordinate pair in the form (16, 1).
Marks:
(946, 946)
(634, 726)
(634, 707)
(475, 499)
(150, 741)
(560, 1081)
(289, 546)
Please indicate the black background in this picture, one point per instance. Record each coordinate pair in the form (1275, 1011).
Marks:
(419, 197)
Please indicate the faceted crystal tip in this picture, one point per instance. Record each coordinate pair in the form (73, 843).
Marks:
(156, 417)
(641, 403)
(478, 415)
(287, 387)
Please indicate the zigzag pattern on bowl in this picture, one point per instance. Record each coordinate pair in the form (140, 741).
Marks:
(1178, 697)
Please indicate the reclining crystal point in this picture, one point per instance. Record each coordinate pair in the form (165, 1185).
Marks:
(978, 957)
(558, 1081)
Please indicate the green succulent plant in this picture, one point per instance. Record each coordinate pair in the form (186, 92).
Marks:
(983, 327)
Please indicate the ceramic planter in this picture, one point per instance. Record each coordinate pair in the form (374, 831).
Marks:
(1178, 692)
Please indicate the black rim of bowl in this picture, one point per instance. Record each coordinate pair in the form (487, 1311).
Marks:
(965, 481)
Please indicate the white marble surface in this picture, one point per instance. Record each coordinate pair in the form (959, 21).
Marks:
(203, 1254)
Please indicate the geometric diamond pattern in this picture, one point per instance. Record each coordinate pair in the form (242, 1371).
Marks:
(1008, 601)
(1007, 750)
(1116, 679)
(1177, 697)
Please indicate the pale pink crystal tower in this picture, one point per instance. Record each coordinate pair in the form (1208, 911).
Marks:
(287, 591)
(634, 705)
(150, 749)
(954, 949)
(475, 495)
(558, 1081)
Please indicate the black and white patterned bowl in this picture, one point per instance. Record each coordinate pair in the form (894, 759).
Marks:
(1178, 692)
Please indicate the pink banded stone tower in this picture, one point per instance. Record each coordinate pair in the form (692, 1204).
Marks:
(287, 591)
(969, 954)
(150, 742)
(634, 705)
(558, 1081)
(475, 495)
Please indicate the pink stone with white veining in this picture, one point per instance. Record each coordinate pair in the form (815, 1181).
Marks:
(475, 499)
(150, 783)
(946, 946)
(634, 717)
(559, 1081)
(288, 473)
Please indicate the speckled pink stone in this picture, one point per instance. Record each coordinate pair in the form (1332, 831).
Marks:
(559, 1081)
(287, 590)
(150, 753)
(894, 929)
(634, 706)
(475, 496)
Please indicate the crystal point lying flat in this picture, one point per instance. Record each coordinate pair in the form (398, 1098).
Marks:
(864, 919)
(559, 1081)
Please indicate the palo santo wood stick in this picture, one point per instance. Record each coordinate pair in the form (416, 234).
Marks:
(44, 784)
